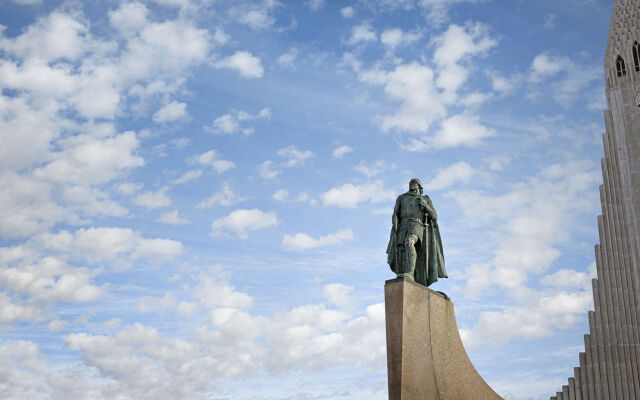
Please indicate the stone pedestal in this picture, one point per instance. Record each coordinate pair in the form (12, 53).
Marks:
(425, 356)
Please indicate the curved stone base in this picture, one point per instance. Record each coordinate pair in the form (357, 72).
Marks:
(425, 356)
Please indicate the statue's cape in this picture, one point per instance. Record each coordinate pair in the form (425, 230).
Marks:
(430, 263)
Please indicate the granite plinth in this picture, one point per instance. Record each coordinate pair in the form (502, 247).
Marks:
(425, 356)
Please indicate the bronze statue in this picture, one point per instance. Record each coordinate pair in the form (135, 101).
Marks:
(415, 248)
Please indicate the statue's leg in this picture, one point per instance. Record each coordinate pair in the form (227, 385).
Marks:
(411, 256)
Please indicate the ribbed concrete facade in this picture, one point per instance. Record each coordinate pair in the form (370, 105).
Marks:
(610, 365)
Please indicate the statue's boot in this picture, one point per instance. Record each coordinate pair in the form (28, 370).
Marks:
(409, 266)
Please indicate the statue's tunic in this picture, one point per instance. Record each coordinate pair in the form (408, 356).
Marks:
(409, 210)
(415, 214)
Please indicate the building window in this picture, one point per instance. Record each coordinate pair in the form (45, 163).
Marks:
(620, 68)
(636, 55)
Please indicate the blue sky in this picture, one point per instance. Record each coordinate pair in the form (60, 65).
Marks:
(197, 194)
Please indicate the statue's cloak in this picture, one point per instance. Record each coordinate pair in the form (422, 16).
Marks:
(430, 262)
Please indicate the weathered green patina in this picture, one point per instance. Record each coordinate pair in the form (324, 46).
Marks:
(415, 246)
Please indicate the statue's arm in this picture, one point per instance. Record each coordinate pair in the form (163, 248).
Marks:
(429, 209)
(395, 219)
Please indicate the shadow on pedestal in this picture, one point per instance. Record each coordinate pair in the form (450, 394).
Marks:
(425, 356)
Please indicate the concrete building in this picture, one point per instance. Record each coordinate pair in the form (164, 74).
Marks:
(610, 364)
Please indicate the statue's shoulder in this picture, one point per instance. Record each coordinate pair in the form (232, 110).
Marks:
(404, 196)
(428, 200)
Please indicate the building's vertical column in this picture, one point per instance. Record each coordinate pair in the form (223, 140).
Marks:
(593, 351)
(604, 318)
(599, 330)
(590, 366)
(577, 383)
(621, 365)
(625, 286)
(584, 378)
(572, 389)
(626, 254)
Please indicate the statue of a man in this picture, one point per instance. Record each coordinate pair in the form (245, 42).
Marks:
(415, 247)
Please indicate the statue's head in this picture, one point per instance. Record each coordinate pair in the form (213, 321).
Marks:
(415, 185)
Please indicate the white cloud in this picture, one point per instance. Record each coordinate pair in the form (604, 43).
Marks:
(302, 241)
(138, 361)
(339, 295)
(225, 124)
(258, 15)
(571, 78)
(212, 158)
(170, 112)
(157, 199)
(188, 177)
(57, 324)
(350, 195)
(293, 156)
(27, 131)
(347, 12)
(456, 45)
(87, 75)
(243, 62)
(545, 65)
(478, 277)
(141, 362)
(396, 37)
(533, 321)
(54, 37)
(214, 290)
(340, 151)
(10, 311)
(90, 201)
(169, 46)
(281, 195)
(287, 60)
(267, 170)
(362, 33)
(173, 218)
(498, 162)
(315, 5)
(232, 122)
(437, 10)
(28, 206)
(243, 221)
(423, 93)
(27, 2)
(549, 21)
(129, 18)
(448, 176)
(174, 3)
(313, 337)
(225, 197)
(532, 219)
(47, 281)
(503, 84)
(148, 303)
(461, 130)
(109, 244)
(128, 188)
(568, 279)
(85, 159)
(373, 169)
(413, 86)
